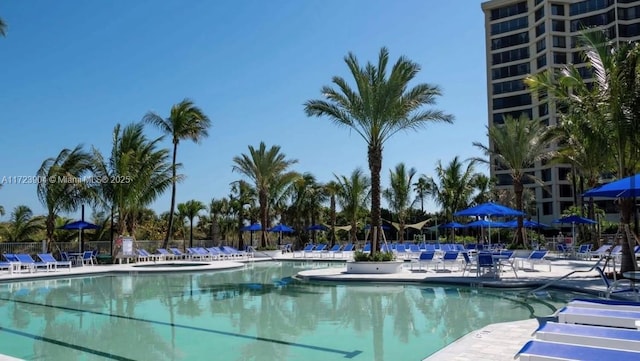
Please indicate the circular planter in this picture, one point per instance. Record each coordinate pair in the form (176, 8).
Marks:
(374, 267)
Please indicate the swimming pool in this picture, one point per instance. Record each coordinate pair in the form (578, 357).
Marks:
(255, 313)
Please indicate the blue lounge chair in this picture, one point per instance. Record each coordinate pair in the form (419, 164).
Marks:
(535, 257)
(179, 254)
(541, 350)
(598, 317)
(450, 257)
(595, 336)
(333, 250)
(48, 258)
(346, 251)
(307, 249)
(26, 259)
(425, 258)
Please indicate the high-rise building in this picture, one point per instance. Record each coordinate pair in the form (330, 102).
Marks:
(529, 36)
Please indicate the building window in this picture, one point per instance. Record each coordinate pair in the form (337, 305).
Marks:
(541, 61)
(629, 31)
(510, 70)
(539, 13)
(557, 9)
(512, 101)
(559, 42)
(504, 180)
(592, 21)
(540, 45)
(563, 172)
(559, 58)
(539, 29)
(589, 6)
(543, 109)
(510, 40)
(565, 191)
(510, 55)
(565, 205)
(510, 10)
(509, 25)
(547, 208)
(508, 86)
(631, 13)
(498, 118)
(545, 175)
(557, 25)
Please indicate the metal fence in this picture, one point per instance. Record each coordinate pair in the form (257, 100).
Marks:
(103, 247)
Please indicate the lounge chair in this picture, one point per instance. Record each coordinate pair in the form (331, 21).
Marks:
(601, 251)
(307, 249)
(425, 258)
(605, 304)
(26, 259)
(48, 258)
(535, 257)
(333, 250)
(450, 257)
(486, 262)
(584, 251)
(167, 255)
(598, 317)
(179, 254)
(88, 257)
(549, 351)
(234, 252)
(595, 336)
(346, 251)
(401, 251)
(319, 249)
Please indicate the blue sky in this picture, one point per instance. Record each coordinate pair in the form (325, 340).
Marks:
(71, 70)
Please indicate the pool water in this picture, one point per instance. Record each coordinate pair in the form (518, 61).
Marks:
(255, 313)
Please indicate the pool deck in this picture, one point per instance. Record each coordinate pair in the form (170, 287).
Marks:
(494, 342)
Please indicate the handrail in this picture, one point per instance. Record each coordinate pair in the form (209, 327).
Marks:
(594, 267)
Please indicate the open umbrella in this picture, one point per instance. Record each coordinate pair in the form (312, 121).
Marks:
(281, 228)
(574, 219)
(526, 224)
(622, 188)
(79, 225)
(253, 227)
(451, 225)
(487, 210)
(317, 227)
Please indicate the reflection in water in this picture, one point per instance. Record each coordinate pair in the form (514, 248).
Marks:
(259, 313)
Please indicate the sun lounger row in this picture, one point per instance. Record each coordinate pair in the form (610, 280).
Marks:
(18, 262)
(320, 250)
(588, 330)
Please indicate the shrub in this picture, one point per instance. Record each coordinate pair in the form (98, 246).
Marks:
(360, 256)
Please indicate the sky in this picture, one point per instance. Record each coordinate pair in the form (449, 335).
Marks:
(71, 70)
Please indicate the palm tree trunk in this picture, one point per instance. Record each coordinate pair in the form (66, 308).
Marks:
(628, 262)
(518, 189)
(375, 164)
(173, 196)
(264, 217)
(332, 235)
(191, 232)
(50, 228)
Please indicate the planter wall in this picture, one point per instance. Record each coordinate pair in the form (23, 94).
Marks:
(374, 267)
(267, 254)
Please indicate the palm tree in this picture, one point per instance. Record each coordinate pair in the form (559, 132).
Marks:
(265, 168)
(421, 188)
(353, 197)
(185, 121)
(612, 93)
(398, 195)
(452, 187)
(306, 203)
(331, 189)
(23, 226)
(242, 194)
(379, 108)
(517, 145)
(140, 173)
(191, 210)
(64, 190)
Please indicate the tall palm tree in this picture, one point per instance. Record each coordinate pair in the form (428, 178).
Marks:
(64, 190)
(353, 197)
(398, 195)
(23, 226)
(517, 145)
(242, 194)
(380, 107)
(140, 173)
(331, 189)
(306, 203)
(191, 210)
(421, 187)
(452, 186)
(612, 93)
(265, 168)
(185, 121)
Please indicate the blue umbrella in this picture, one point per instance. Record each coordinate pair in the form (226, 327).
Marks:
(317, 227)
(488, 210)
(253, 227)
(484, 223)
(526, 224)
(574, 219)
(384, 226)
(281, 228)
(79, 225)
(451, 225)
(623, 188)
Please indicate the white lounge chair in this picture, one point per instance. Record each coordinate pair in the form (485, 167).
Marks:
(549, 351)
(595, 336)
(598, 317)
